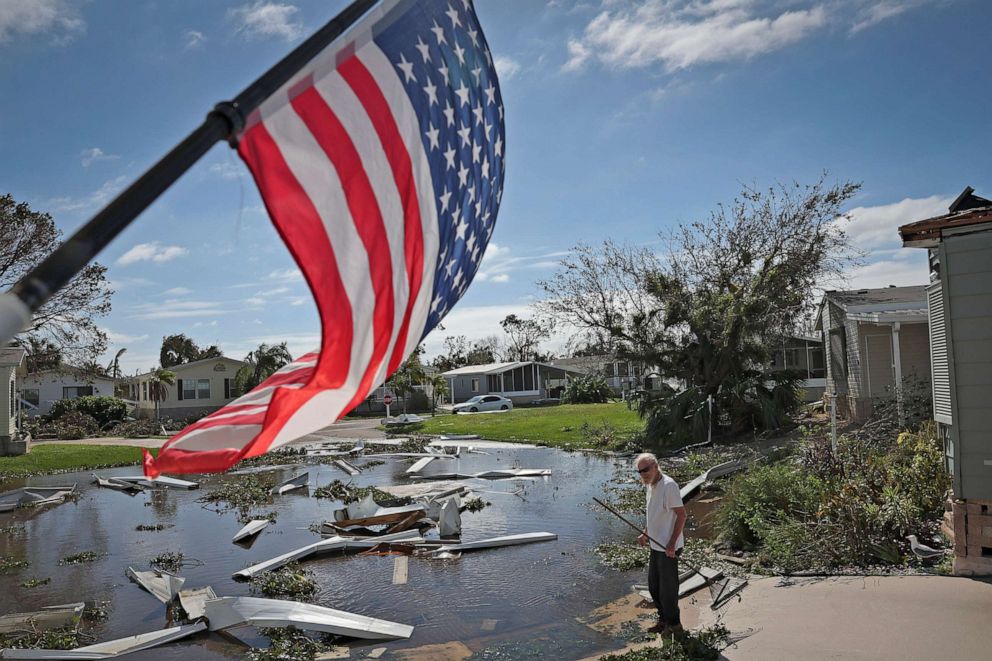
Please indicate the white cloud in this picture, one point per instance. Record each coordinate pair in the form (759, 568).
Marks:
(177, 291)
(286, 275)
(267, 19)
(272, 292)
(902, 268)
(506, 67)
(229, 171)
(682, 34)
(173, 309)
(877, 227)
(97, 198)
(498, 263)
(144, 252)
(880, 11)
(94, 155)
(205, 324)
(192, 39)
(33, 17)
(123, 338)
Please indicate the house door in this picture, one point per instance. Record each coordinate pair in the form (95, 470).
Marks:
(878, 365)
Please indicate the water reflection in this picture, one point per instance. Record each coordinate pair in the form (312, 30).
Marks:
(486, 598)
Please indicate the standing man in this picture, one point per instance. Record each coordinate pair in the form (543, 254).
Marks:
(665, 520)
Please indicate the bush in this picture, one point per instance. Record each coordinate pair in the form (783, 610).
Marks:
(136, 428)
(74, 425)
(101, 409)
(590, 389)
(854, 508)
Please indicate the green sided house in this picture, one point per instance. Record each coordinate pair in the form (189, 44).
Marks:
(201, 387)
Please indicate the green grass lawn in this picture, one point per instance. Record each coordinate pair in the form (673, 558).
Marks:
(58, 457)
(568, 426)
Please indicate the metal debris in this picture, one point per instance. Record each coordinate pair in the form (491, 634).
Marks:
(163, 585)
(111, 648)
(494, 542)
(296, 482)
(34, 496)
(193, 601)
(253, 527)
(49, 617)
(160, 481)
(117, 485)
(346, 466)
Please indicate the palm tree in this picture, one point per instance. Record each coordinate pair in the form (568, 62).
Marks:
(114, 367)
(409, 374)
(439, 388)
(260, 364)
(157, 390)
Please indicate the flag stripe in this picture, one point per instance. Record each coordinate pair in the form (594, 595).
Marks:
(378, 109)
(333, 139)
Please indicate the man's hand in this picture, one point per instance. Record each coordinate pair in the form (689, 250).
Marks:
(642, 540)
(670, 549)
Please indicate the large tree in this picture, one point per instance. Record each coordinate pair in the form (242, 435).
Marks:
(709, 313)
(409, 374)
(179, 349)
(524, 337)
(68, 319)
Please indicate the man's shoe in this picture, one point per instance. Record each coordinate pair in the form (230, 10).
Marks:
(658, 628)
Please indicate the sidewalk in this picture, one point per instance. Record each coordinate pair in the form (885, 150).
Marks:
(891, 618)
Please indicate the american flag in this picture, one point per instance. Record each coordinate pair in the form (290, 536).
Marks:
(381, 165)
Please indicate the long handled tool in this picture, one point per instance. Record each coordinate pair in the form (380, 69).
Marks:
(727, 588)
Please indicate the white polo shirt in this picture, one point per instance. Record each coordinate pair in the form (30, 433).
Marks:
(663, 498)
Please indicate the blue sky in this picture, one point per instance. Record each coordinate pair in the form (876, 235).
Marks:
(622, 120)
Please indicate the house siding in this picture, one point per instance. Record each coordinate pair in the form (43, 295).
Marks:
(967, 280)
(50, 387)
(213, 370)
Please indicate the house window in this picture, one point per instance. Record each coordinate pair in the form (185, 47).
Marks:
(838, 355)
(475, 385)
(189, 388)
(203, 388)
(622, 368)
(144, 390)
(72, 392)
(610, 370)
(817, 367)
(31, 395)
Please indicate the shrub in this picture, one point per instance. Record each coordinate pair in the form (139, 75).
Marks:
(589, 389)
(136, 428)
(73, 425)
(103, 409)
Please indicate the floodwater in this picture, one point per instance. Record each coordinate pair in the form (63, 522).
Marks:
(484, 599)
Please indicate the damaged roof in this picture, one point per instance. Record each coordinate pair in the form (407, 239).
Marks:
(897, 297)
(967, 210)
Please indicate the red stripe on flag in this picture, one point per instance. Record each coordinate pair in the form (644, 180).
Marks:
(302, 229)
(363, 84)
(226, 421)
(332, 137)
(300, 376)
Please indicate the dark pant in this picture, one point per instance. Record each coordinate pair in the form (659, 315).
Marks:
(663, 584)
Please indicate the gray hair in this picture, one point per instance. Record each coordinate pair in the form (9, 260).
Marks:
(646, 455)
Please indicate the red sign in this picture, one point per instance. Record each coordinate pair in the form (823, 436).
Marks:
(387, 399)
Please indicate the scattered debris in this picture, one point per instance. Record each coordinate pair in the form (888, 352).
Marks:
(458, 437)
(494, 542)
(296, 482)
(404, 419)
(152, 527)
(291, 582)
(689, 581)
(49, 617)
(244, 494)
(346, 466)
(160, 481)
(419, 465)
(228, 612)
(720, 470)
(401, 570)
(110, 648)
(34, 496)
(450, 519)
(168, 562)
(252, 528)
(367, 512)
(9, 563)
(116, 484)
(489, 475)
(79, 558)
(724, 590)
(323, 546)
(194, 599)
(35, 582)
(163, 585)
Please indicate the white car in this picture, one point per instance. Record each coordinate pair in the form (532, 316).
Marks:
(484, 403)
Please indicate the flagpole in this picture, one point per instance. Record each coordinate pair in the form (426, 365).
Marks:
(224, 122)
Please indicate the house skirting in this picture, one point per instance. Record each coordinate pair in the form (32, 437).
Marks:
(969, 525)
(11, 446)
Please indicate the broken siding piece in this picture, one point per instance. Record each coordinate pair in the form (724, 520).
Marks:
(193, 601)
(346, 466)
(250, 530)
(228, 612)
(292, 484)
(163, 585)
(49, 617)
(111, 648)
(31, 496)
(401, 570)
(420, 465)
(450, 519)
(117, 485)
(324, 546)
(160, 481)
(494, 542)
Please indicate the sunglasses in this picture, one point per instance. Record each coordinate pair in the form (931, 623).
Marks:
(644, 470)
